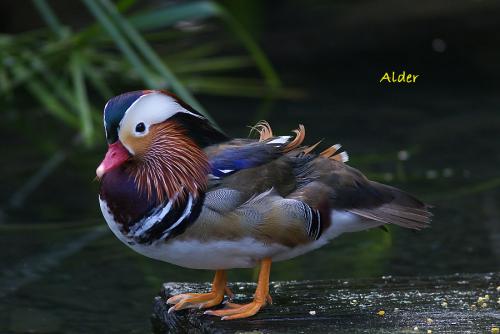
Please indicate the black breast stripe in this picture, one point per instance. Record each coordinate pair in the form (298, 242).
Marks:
(176, 220)
(158, 227)
(313, 222)
(316, 224)
(189, 219)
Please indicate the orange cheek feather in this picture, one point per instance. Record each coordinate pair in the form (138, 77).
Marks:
(168, 163)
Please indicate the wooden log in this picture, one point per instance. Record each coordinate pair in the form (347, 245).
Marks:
(467, 303)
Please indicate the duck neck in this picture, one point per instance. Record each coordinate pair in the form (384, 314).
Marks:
(142, 218)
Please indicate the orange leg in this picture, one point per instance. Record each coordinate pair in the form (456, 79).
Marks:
(236, 311)
(202, 300)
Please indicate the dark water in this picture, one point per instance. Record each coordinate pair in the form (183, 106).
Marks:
(63, 271)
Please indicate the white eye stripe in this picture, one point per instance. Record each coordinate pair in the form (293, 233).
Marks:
(150, 108)
(124, 118)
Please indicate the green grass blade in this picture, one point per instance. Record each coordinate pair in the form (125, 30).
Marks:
(5, 82)
(164, 17)
(44, 95)
(170, 15)
(121, 42)
(58, 83)
(253, 48)
(123, 5)
(229, 86)
(217, 64)
(97, 81)
(49, 17)
(82, 102)
(201, 50)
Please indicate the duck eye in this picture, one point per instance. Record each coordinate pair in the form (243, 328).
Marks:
(140, 128)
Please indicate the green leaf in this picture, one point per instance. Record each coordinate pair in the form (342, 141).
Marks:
(98, 82)
(217, 64)
(45, 96)
(121, 42)
(50, 17)
(82, 102)
(170, 15)
(229, 86)
(167, 16)
(258, 55)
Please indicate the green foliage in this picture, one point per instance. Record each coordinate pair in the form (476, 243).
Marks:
(70, 72)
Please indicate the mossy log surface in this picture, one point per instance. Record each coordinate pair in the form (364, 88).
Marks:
(453, 304)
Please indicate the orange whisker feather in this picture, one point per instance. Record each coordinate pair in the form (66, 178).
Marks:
(311, 148)
(300, 135)
(173, 166)
(264, 130)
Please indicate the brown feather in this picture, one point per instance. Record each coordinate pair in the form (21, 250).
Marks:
(333, 153)
(171, 164)
(309, 149)
(330, 151)
(300, 135)
(397, 217)
(345, 188)
(264, 130)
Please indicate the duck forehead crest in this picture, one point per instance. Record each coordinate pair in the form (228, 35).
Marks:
(150, 109)
(115, 110)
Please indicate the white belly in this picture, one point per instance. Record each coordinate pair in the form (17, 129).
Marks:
(242, 253)
(342, 222)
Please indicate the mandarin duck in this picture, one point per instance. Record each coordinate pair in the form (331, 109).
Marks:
(176, 189)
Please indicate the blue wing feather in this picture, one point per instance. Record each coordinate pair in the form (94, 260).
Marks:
(234, 158)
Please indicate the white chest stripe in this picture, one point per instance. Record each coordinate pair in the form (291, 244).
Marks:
(187, 212)
(146, 223)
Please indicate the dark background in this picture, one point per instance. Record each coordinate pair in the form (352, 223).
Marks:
(69, 274)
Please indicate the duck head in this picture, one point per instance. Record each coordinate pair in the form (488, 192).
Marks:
(158, 140)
